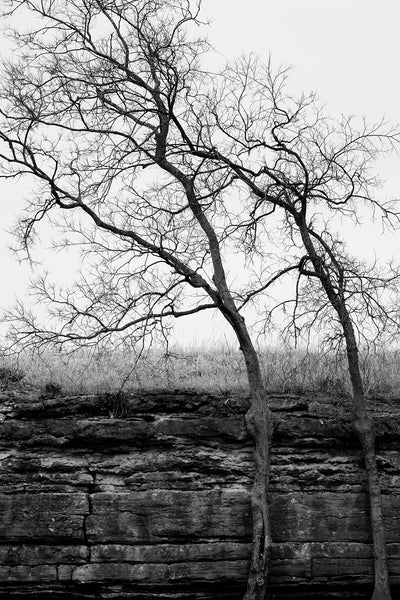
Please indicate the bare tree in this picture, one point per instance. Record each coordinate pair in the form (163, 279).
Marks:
(98, 110)
(162, 173)
(320, 174)
(354, 303)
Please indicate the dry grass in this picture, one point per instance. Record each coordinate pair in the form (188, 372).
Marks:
(217, 369)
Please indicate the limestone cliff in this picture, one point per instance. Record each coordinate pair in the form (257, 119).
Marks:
(147, 497)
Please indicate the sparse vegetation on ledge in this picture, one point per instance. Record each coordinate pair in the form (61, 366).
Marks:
(218, 369)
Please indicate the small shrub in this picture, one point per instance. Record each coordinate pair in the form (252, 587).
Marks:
(332, 385)
(52, 389)
(115, 405)
(10, 376)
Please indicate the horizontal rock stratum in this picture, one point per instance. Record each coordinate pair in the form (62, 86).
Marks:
(147, 496)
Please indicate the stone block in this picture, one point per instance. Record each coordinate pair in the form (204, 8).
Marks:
(169, 515)
(37, 517)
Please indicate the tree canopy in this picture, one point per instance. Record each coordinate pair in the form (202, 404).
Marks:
(171, 177)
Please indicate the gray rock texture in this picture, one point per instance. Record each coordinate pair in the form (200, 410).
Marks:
(147, 496)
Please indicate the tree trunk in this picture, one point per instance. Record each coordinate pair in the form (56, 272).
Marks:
(260, 426)
(365, 431)
(362, 424)
(259, 421)
(364, 428)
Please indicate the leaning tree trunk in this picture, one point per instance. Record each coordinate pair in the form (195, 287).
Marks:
(259, 421)
(364, 428)
(362, 423)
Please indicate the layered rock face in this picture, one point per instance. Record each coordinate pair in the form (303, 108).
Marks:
(147, 497)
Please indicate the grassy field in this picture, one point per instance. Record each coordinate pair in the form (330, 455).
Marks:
(217, 369)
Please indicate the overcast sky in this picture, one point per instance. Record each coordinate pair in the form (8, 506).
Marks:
(346, 50)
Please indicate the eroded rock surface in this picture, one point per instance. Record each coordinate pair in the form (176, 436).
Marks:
(147, 497)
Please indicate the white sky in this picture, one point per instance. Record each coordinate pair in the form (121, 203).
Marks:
(346, 50)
